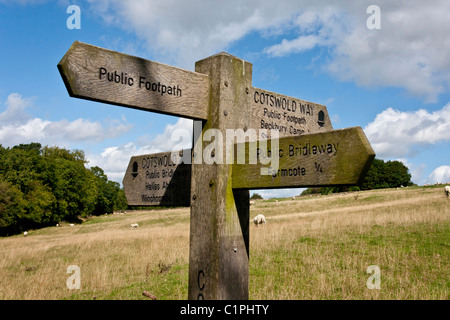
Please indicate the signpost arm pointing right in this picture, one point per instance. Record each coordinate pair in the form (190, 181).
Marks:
(336, 157)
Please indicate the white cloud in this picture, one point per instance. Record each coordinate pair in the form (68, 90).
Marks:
(300, 44)
(440, 175)
(114, 160)
(317, 26)
(278, 193)
(183, 32)
(175, 137)
(396, 133)
(15, 109)
(409, 51)
(17, 126)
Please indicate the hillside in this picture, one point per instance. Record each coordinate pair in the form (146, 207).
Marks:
(316, 247)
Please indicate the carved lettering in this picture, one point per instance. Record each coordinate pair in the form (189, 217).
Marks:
(281, 103)
(124, 78)
(289, 116)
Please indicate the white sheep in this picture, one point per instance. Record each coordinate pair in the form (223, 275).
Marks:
(134, 225)
(25, 233)
(71, 225)
(259, 219)
(447, 191)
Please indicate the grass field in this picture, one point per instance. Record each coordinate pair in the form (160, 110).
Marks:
(311, 248)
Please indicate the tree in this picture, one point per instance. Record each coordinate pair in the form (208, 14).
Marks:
(72, 184)
(256, 196)
(40, 186)
(108, 196)
(12, 208)
(390, 174)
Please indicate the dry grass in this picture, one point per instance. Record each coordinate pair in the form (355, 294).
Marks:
(320, 248)
(310, 248)
(115, 260)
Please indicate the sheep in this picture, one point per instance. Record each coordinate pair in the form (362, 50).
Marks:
(259, 219)
(25, 233)
(134, 225)
(447, 191)
(71, 225)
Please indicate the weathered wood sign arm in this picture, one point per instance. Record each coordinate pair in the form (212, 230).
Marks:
(102, 75)
(337, 157)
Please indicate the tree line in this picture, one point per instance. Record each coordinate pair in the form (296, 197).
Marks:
(42, 186)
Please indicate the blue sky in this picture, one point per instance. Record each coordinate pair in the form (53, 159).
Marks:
(393, 82)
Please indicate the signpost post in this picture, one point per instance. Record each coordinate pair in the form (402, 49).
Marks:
(215, 183)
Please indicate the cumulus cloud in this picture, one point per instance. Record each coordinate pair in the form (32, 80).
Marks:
(406, 52)
(17, 126)
(15, 109)
(396, 133)
(175, 136)
(440, 175)
(114, 160)
(278, 193)
(409, 51)
(187, 31)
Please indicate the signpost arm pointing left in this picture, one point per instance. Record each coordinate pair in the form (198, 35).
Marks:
(102, 75)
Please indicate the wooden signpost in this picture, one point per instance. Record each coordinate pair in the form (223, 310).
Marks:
(309, 152)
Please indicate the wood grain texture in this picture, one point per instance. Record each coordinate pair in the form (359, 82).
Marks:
(97, 74)
(337, 157)
(219, 238)
(156, 180)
